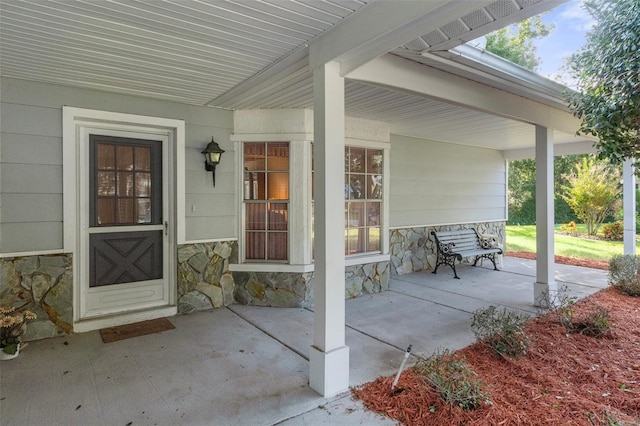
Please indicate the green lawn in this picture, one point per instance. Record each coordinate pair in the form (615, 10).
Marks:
(523, 238)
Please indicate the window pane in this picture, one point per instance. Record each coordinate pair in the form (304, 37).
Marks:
(374, 161)
(124, 157)
(259, 186)
(374, 239)
(355, 240)
(373, 214)
(278, 156)
(143, 159)
(106, 183)
(250, 186)
(356, 184)
(255, 216)
(255, 245)
(143, 210)
(277, 246)
(374, 186)
(347, 188)
(278, 186)
(356, 160)
(106, 211)
(356, 214)
(143, 184)
(254, 156)
(125, 184)
(106, 157)
(347, 162)
(278, 217)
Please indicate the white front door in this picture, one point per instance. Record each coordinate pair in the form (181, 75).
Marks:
(124, 226)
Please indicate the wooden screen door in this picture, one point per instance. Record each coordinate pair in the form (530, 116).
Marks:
(126, 235)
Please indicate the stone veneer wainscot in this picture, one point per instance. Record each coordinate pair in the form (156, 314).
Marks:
(44, 285)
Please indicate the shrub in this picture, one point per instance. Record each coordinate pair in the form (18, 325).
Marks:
(453, 379)
(623, 274)
(590, 319)
(629, 287)
(623, 267)
(501, 330)
(613, 231)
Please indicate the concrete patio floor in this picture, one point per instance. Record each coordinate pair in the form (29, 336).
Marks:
(247, 365)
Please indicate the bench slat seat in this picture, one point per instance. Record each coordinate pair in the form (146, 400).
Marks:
(456, 245)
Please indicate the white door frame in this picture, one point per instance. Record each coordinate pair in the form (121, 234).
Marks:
(78, 123)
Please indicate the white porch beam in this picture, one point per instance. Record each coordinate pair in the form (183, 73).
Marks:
(629, 206)
(545, 286)
(382, 26)
(572, 148)
(395, 73)
(329, 356)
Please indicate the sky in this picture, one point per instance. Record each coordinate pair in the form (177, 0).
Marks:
(571, 24)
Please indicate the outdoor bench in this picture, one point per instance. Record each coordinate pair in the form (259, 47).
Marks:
(456, 245)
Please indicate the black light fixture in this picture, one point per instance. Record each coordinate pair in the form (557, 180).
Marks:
(212, 154)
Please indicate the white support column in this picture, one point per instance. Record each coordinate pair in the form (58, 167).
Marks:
(629, 206)
(329, 357)
(545, 286)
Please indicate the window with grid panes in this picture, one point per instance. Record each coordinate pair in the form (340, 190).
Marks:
(266, 200)
(363, 199)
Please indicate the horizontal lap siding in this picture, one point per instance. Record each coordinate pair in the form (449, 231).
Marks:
(31, 162)
(437, 183)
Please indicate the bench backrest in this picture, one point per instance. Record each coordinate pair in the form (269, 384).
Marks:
(464, 239)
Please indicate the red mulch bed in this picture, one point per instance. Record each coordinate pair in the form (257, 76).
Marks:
(564, 379)
(596, 264)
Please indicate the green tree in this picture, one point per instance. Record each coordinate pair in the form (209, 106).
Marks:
(515, 42)
(607, 71)
(593, 192)
(522, 190)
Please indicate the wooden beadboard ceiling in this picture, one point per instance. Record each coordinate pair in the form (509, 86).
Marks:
(194, 52)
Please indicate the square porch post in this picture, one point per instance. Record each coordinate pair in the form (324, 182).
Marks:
(545, 286)
(629, 206)
(329, 357)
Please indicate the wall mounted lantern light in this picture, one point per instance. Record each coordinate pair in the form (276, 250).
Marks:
(212, 154)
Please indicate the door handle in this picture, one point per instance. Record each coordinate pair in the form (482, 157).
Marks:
(166, 227)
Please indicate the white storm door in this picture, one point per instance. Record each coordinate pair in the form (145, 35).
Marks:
(124, 226)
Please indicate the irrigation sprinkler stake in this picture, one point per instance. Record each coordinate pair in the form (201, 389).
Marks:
(404, 361)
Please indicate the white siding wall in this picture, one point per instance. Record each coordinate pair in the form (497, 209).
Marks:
(436, 183)
(31, 162)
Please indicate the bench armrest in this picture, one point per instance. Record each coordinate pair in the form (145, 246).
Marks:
(488, 241)
(446, 248)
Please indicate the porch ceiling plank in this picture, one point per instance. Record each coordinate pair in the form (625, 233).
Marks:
(381, 27)
(59, 19)
(400, 74)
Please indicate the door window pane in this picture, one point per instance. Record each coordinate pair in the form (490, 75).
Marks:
(143, 210)
(106, 184)
(143, 184)
(106, 157)
(143, 159)
(125, 211)
(106, 211)
(124, 157)
(128, 171)
(125, 184)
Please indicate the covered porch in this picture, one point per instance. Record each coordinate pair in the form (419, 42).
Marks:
(250, 365)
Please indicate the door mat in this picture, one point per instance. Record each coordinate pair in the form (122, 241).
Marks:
(121, 332)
